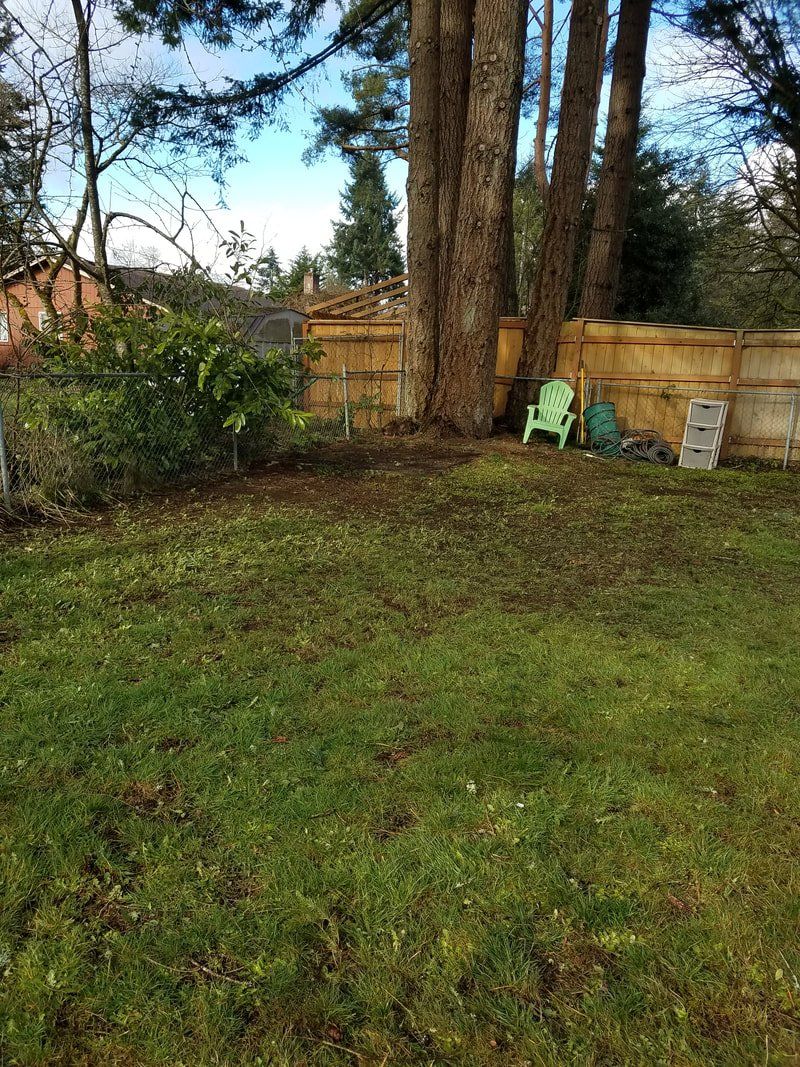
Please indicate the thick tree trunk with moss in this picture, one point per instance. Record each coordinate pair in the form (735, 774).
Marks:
(422, 315)
(509, 301)
(601, 280)
(548, 296)
(462, 401)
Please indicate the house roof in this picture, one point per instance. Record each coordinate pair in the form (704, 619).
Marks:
(182, 289)
(22, 267)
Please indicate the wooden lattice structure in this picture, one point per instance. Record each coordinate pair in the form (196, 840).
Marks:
(385, 300)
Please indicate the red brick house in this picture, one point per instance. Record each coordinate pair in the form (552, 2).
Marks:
(262, 321)
(21, 301)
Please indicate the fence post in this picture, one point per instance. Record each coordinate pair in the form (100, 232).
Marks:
(577, 353)
(4, 465)
(398, 408)
(346, 404)
(736, 371)
(235, 451)
(789, 431)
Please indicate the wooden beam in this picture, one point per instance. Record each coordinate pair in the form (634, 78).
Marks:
(362, 323)
(369, 302)
(772, 383)
(575, 360)
(761, 442)
(678, 342)
(355, 293)
(665, 379)
(663, 325)
(393, 302)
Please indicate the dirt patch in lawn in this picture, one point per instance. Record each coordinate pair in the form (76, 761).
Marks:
(154, 799)
(341, 479)
(381, 476)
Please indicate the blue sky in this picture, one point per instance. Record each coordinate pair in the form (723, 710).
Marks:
(288, 204)
(281, 200)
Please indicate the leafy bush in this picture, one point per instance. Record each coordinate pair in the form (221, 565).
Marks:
(159, 394)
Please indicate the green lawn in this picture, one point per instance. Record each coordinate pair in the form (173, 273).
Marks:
(490, 763)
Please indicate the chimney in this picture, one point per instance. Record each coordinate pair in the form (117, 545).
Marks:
(310, 282)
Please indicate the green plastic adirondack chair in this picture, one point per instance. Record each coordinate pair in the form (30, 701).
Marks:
(552, 413)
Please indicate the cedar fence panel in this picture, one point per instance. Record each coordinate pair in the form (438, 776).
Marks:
(372, 352)
(650, 371)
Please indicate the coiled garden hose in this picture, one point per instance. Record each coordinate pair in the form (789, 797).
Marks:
(637, 445)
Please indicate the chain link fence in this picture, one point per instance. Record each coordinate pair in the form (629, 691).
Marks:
(761, 424)
(69, 439)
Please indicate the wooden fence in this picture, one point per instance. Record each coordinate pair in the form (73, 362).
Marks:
(649, 371)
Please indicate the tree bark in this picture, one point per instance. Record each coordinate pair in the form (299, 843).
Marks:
(601, 280)
(456, 62)
(462, 401)
(549, 291)
(545, 90)
(422, 314)
(600, 73)
(509, 294)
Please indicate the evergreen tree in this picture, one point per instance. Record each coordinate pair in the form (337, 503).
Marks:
(528, 224)
(290, 282)
(365, 247)
(17, 232)
(670, 220)
(269, 275)
(376, 119)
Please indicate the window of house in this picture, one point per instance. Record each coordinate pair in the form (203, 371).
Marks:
(3, 328)
(44, 321)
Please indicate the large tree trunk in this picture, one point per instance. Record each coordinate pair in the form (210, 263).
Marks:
(601, 280)
(545, 91)
(509, 295)
(422, 314)
(456, 62)
(600, 73)
(548, 296)
(462, 400)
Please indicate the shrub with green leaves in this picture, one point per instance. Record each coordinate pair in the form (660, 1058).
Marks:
(161, 395)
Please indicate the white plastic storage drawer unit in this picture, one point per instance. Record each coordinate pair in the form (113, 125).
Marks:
(702, 436)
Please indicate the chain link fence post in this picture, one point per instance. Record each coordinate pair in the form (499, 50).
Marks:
(346, 403)
(4, 465)
(398, 407)
(789, 431)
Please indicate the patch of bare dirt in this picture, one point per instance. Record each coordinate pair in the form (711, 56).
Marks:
(392, 755)
(154, 799)
(175, 745)
(394, 824)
